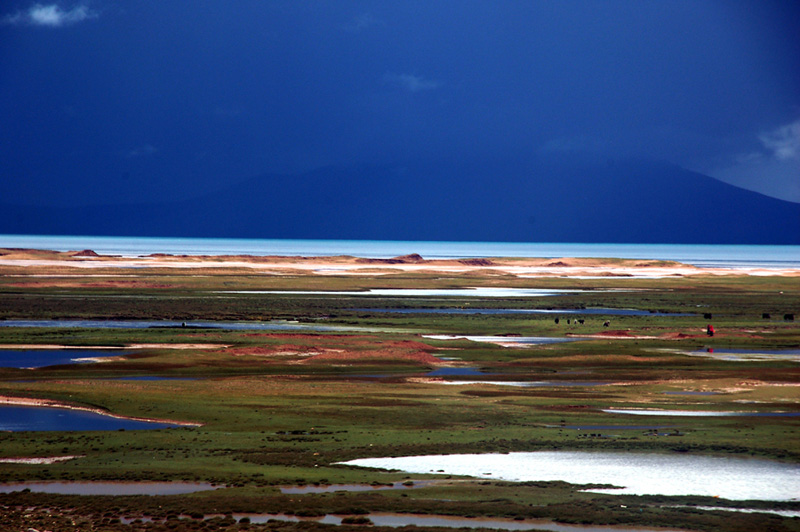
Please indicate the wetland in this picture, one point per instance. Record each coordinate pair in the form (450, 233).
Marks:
(263, 378)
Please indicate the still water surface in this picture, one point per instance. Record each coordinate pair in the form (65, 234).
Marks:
(703, 255)
(586, 311)
(37, 418)
(37, 358)
(144, 324)
(109, 488)
(634, 473)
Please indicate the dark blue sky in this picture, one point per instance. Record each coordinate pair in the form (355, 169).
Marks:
(130, 100)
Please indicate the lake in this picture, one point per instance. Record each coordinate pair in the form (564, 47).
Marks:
(703, 255)
(634, 473)
(36, 358)
(16, 418)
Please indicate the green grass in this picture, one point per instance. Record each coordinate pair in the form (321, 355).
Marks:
(282, 420)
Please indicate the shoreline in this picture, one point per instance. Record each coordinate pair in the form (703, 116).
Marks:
(52, 403)
(573, 267)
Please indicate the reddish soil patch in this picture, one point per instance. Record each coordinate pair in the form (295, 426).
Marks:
(298, 336)
(338, 349)
(383, 355)
(679, 335)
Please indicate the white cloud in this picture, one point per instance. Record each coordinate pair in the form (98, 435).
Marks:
(773, 168)
(784, 142)
(411, 82)
(51, 15)
(362, 22)
(145, 150)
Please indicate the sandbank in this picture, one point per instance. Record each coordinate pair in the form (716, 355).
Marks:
(347, 265)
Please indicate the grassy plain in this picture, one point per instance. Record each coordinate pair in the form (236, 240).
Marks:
(282, 407)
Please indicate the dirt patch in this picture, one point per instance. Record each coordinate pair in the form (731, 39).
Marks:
(339, 349)
(381, 355)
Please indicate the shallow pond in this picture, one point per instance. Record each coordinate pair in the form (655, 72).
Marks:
(748, 355)
(696, 413)
(527, 384)
(784, 513)
(145, 324)
(421, 292)
(585, 311)
(37, 358)
(503, 340)
(455, 372)
(634, 473)
(109, 488)
(402, 520)
(612, 427)
(38, 418)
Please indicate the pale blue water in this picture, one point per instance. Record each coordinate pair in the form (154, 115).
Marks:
(697, 254)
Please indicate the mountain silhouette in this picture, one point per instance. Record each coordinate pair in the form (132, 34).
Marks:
(541, 200)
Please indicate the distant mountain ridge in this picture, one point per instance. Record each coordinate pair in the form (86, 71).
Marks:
(539, 201)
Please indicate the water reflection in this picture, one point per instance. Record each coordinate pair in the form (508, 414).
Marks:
(422, 292)
(109, 488)
(37, 358)
(526, 384)
(586, 311)
(38, 418)
(276, 325)
(503, 340)
(745, 355)
(634, 473)
(403, 520)
(696, 413)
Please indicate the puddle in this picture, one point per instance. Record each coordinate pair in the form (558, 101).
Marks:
(109, 488)
(37, 358)
(634, 473)
(697, 413)
(40, 418)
